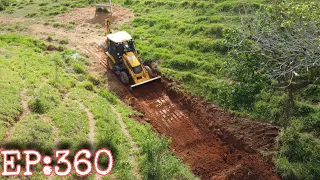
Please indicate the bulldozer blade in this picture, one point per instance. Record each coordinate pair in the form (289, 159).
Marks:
(139, 84)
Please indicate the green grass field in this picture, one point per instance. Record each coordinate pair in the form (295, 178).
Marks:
(185, 41)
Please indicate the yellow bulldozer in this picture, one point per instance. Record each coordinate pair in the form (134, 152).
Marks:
(123, 59)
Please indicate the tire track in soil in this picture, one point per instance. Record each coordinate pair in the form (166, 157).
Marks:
(133, 145)
(24, 113)
(92, 123)
(55, 132)
(124, 130)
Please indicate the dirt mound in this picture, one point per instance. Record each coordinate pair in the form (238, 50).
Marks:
(245, 134)
(4, 20)
(119, 16)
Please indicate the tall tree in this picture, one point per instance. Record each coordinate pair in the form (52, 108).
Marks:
(280, 43)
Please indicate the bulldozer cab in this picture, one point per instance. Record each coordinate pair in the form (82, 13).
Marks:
(119, 44)
(124, 61)
(134, 62)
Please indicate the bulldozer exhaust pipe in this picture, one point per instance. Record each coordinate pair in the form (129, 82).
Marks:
(139, 84)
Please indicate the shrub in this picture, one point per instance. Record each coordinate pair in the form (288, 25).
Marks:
(36, 105)
(63, 41)
(94, 80)
(105, 93)
(43, 99)
(4, 4)
(88, 85)
(98, 26)
(127, 2)
(269, 106)
(182, 62)
(156, 163)
(311, 93)
(219, 46)
(243, 96)
(51, 47)
(188, 77)
(49, 39)
(304, 109)
(78, 68)
(72, 22)
(211, 68)
(29, 15)
(311, 123)
(60, 48)
(53, 12)
(298, 156)
(57, 25)
(43, 4)
(215, 30)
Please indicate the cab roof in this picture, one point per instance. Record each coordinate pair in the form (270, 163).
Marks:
(119, 37)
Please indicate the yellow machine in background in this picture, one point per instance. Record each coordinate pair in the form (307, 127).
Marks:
(108, 24)
(122, 58)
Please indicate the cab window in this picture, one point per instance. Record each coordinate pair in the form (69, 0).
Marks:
(137, 69)
(131, 58)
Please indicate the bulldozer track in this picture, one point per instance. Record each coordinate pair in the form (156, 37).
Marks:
(171, 116)
(96, 53)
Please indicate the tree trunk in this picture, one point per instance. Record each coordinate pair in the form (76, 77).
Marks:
(289, 108)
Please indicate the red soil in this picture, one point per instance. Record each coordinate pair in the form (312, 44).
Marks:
(213, 143)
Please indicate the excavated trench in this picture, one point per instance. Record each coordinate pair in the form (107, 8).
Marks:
(215, 144)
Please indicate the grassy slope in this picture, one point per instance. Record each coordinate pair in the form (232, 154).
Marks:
(32, 8)
(54, 89)
(184, 39)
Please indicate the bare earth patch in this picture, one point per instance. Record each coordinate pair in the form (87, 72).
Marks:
(119, 16)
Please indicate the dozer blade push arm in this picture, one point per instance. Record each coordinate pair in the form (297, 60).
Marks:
(139, 84)
(108, 24)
